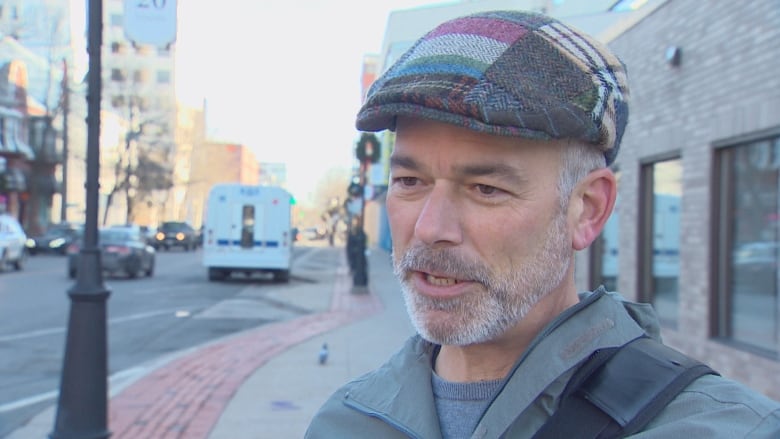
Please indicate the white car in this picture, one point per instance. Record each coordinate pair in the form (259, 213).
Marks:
(12, 243)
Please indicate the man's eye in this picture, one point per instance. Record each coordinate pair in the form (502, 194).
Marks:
(407, 181)
(487, 190)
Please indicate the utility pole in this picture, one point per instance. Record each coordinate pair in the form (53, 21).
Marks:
(65, 110)
(82, 410)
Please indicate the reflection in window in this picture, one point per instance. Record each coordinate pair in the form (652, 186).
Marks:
(749, 214)
(604, 253)
(660, 244)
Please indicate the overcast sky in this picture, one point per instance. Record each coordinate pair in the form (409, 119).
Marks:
(282, 77)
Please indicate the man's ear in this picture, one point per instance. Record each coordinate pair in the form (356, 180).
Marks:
(591, 205)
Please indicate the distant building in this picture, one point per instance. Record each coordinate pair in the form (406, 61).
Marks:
(218, 162)
(28, 142)
(698, 221)
(139, 85)
(273, 174)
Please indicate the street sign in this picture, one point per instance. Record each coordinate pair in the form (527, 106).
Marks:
(151, 21)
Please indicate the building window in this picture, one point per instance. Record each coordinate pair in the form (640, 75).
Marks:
(748, 213)
(117, 101)
(604, 251)
(163, 77)
(117, 75)
(659, 244)
(117, 47)
(116, 20)
(143, 49)
(140, 76)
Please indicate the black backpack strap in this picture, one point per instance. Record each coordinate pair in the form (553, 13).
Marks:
(617, 391)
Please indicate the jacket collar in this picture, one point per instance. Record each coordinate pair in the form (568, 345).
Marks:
(400, 391)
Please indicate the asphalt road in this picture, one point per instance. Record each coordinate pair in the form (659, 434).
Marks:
(148, 319)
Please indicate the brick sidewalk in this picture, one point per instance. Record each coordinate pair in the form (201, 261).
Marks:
(185, 398)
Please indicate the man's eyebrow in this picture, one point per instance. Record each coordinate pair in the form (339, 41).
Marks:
(497, 170)
(406, 162)
(494, 169)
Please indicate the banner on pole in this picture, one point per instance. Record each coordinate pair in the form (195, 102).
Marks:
(151, 21)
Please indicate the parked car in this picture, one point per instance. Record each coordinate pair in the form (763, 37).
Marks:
(175, 234)
(55, 240)
(12, 243)
(314, 233)
(123, 250)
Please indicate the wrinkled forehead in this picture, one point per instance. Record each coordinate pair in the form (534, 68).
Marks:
(422, 143)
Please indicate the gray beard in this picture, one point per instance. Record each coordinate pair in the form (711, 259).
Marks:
(507, 297)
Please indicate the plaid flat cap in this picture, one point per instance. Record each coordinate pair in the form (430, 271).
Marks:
(509, 73)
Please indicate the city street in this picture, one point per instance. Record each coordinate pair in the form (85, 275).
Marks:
(148, 318)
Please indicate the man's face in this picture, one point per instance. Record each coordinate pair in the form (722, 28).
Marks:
(478, 232)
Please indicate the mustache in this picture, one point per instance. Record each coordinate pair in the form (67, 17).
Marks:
(444, 261)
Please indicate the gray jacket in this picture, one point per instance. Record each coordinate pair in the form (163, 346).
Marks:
(396, 400)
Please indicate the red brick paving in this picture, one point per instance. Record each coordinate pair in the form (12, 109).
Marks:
(185, 398)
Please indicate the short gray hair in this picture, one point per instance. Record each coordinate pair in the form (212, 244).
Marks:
(577, 161)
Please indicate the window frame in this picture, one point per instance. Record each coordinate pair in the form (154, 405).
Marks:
(723, 241)
(645, 231)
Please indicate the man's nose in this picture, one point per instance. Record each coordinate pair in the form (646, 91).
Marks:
(439, 219)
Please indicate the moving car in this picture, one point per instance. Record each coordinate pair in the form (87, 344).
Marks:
(55, 240)
(176, 234)
(123, 250)
(12, 243)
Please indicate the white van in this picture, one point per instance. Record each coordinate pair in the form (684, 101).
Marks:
(247, 230)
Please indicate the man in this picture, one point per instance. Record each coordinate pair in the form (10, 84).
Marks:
(506, 123)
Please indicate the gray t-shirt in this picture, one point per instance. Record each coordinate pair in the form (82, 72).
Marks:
(461, 405)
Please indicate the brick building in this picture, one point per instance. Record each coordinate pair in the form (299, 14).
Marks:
(696, 229)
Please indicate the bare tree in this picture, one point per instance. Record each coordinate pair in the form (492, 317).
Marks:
(141, 167)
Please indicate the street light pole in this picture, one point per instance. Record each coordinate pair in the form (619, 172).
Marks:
(367, 152)
(82, 411)
(65, 110)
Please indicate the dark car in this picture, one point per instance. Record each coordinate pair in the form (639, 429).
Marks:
(756, 266)
(123, 250)
(176, 234)
(55, 240)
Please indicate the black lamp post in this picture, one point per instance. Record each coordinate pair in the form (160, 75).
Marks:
(367, 152)
(82, 410)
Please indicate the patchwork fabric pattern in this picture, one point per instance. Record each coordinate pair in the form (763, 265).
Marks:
(507, 73)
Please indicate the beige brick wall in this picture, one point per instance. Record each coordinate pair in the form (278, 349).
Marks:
(727, 85)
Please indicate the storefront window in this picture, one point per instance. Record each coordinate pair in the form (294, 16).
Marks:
(748, 305)
(660, 244)
(604, 252)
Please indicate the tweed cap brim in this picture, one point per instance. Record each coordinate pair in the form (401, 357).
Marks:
(509, 73)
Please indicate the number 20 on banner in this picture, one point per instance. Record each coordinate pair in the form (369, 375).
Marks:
(151, 21)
